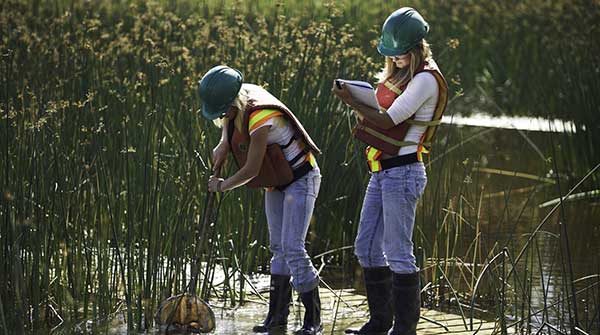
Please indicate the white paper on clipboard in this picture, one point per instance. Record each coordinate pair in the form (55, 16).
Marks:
(361, 91)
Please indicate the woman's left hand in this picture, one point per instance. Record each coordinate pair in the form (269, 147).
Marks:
(214, 184)
(342, 93)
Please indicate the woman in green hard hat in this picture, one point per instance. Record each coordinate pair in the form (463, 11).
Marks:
(412, 96)
(272, 150)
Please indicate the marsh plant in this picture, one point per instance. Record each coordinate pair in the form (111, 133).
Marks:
(104, 157)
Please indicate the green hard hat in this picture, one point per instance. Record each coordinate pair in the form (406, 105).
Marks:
(402, 31)
(217, 89)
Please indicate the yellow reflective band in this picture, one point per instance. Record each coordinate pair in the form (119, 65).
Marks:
(375, 166)
(259, 117)
(372, 154)
(421, 149)
(311, 159)
(392, 87)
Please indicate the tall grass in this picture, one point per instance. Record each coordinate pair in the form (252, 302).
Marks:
(105, 158)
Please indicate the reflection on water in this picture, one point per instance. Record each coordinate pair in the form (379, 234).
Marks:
(240, 320)
(511, 122)
(228, 322)
(502, 183)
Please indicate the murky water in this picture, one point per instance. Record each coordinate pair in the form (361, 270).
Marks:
(240, 320)
(513, 172)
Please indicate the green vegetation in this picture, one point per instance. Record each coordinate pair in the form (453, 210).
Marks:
(104, 158)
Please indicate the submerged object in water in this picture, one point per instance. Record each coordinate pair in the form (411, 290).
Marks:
(186, 312)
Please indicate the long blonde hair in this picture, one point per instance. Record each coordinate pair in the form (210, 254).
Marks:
(419, 54)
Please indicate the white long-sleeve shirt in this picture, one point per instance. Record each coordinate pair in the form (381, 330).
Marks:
(419, 98)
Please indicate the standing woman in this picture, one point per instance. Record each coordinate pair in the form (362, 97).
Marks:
(272, 150)
(412, 96)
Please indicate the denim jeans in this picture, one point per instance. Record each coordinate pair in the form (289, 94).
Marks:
(387, 218)
(288, 215)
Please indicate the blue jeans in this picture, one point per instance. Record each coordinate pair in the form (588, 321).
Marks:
(387, 218)
(288, 215)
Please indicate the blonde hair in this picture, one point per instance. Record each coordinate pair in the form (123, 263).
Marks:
(239, 103)
(418, 55)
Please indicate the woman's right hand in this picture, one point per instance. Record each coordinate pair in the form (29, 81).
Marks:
(342, 92)
(219, 154)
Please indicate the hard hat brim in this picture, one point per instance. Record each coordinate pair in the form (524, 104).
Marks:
(212, 112)
(389, 52)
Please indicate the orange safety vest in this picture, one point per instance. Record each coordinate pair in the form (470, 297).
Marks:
(275, 170)
(391, 140)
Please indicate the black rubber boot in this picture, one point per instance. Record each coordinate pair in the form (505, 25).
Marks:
(407, 303)
(378, 282)
(312, 314)
(280, 296)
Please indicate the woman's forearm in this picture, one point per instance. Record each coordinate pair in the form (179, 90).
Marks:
(380, 119)
(256, 153)
(240, 178)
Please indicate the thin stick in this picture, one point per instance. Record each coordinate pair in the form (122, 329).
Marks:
(208, 211)
(191, 288)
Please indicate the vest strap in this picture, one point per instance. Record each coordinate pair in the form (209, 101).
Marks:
(300, 172)
(392, 87)
(298, 157)
(387, 138)
(424, 123)
(292, 139)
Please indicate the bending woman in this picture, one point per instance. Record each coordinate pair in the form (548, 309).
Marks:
(272, 150)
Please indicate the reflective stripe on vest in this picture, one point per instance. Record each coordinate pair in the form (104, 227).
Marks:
(308, 157)
(421, 148)
(259, 117)
(392, 87)
(373, 155)
(311, 159)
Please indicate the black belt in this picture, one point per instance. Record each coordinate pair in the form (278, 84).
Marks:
(300, 172)
(399, 161)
